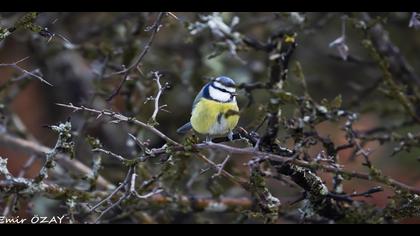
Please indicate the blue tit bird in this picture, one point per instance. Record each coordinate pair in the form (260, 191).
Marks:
(215, 111)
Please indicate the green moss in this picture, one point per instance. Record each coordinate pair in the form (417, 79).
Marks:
(93, 142)
(4, 33)
(269, 204)
(24, 22)
(403, 205)
(395, 91)
(362, 214)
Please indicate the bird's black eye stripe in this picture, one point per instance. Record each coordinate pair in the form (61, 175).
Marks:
(230, 85)
(220, 89)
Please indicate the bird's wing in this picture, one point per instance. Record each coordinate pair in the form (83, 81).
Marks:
(199, 96)
(184, 129)
(187, 127)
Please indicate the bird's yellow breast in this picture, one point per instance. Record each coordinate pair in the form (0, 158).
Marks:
(214, 118)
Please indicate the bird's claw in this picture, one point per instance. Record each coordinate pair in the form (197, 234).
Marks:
(208, 139)
(230, 135)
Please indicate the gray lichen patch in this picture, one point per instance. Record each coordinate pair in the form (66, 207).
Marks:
(64, 144)
(3, 169)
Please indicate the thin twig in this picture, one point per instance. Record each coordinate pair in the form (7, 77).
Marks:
(117, 90)
(27, 165)
(226, 174)
(331, 169)
(157, 77)
(29, 73)
(155, 28)
(221, 167)
(119, 117)
(196, 202)
(129, 183)
(115, 191)
(349, 198)
(109, 153)
(33, 148)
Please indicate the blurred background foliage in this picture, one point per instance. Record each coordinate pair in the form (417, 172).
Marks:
(87, 46)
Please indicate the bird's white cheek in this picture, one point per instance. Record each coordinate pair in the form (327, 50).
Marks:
(219, 95)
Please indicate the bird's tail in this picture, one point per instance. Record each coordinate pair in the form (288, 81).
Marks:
(185, 128)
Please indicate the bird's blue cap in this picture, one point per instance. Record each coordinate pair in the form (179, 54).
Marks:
(226, 81)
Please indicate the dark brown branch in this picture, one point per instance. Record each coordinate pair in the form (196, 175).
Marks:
(311, 166)
(120, 85)
(155, 28)
(224, 204)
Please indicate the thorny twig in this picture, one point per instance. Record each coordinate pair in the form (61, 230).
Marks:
(154, 28)
(224, 173)
(126, 71)
(119, 117)
(117, 90)
(221, 167)
(223, 204)
(308, 165)
(349, 198)
(128, 183)
(118, 157)
(30, 148)
(35, 73)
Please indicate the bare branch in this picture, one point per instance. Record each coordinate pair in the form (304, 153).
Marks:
(120, 158)
(31, 148)
(33, 73)
(117, 90)
(129, 184)
(221, 167)
(155, 28)
(119, 117)
(157, 77)
(224, 204)
(252, 152)
(226, 174)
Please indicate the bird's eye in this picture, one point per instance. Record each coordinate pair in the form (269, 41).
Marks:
(230, 85)
(227, 84)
